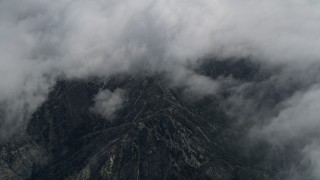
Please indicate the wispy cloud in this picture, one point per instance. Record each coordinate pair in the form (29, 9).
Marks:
(42, 40)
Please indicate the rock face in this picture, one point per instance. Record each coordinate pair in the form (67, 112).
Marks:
(157, 134)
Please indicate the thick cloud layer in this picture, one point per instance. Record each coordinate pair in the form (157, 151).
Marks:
(42, 40)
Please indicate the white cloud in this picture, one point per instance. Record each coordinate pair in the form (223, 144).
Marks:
(299, 119)
(41, 40)
(106, 103)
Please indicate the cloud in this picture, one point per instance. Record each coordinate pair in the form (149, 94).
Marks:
(297, 125)
(312, 152)
(282, 110)
(43, 40)
(106, 103)
(298, 119)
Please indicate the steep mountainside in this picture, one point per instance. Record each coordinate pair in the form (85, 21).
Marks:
(157, 134)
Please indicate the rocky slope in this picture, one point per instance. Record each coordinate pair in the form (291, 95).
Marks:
(157, 134)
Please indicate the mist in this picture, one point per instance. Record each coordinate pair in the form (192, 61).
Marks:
(42, 41)
(107, 103)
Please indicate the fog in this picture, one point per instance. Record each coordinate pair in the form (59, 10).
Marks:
(106, 103)
(43, 40)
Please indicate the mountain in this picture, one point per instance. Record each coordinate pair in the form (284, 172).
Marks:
(158, 133)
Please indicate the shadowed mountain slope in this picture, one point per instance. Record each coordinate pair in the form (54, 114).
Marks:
(157, 134)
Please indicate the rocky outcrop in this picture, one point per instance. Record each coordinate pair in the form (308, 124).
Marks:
(157, 134)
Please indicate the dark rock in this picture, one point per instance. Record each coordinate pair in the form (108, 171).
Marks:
(157, 134)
